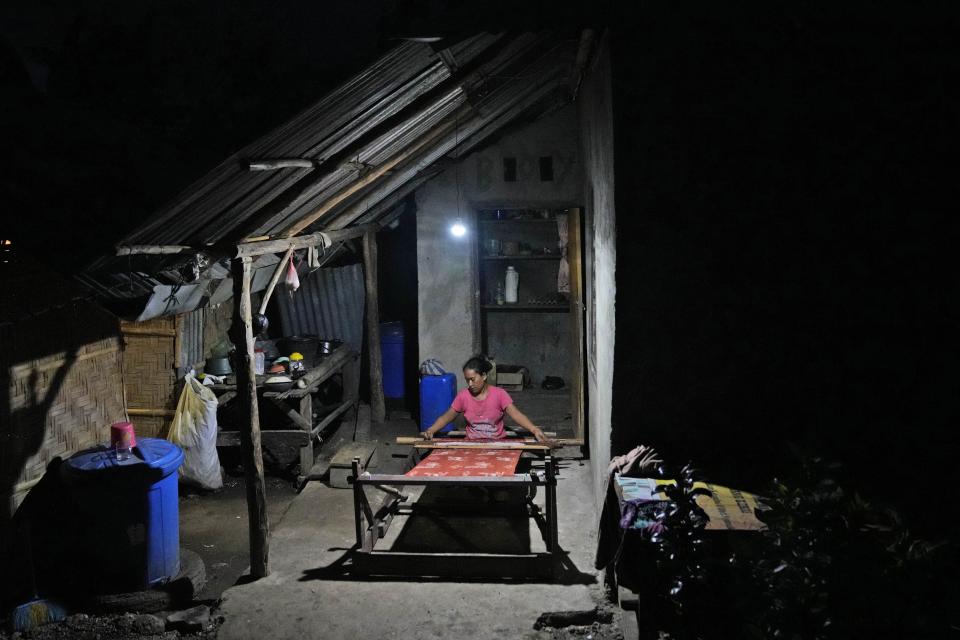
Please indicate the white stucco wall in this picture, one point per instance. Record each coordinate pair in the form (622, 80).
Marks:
(447, 271)
(596, 130)
(447, 284)
(481, 174)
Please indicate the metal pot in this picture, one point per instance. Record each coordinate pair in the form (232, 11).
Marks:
(326, 347)
(218, 366)
(307, 345)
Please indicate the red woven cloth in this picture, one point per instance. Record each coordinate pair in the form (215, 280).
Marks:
(467, 462)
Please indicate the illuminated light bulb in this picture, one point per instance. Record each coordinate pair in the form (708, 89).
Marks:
(458, 230)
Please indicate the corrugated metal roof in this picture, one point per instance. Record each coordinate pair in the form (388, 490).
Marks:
(371, 141)
(375, 116)
(329, 304)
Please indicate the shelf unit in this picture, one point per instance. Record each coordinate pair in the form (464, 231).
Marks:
(545, 338)
(548, 256)
(516, 306)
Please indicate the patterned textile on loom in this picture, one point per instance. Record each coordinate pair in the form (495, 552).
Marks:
(465, 462)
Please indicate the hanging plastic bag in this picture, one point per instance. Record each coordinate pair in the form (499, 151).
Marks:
(293, 280)
(194, 428)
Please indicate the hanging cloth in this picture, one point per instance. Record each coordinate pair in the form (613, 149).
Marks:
(563, 272)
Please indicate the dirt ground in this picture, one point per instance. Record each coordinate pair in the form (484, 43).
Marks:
(110, 627)
(214, 525)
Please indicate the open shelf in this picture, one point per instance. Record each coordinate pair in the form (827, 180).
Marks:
(552, 221)
(542, 256)
(517, 306)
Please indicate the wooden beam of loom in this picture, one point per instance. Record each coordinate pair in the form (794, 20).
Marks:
(452, 442)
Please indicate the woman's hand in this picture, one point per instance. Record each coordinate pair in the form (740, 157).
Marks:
(439, 423)
(538, 434)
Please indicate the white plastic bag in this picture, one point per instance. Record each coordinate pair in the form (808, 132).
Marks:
(194, 428)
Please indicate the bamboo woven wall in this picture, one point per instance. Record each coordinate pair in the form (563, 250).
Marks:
(62, 373)
(150, 360)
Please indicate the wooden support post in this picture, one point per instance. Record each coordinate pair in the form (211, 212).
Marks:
(351, 384)
(241, 333)
(553, 542)
(306, 453)
(357, 498)
(378, 411)
(575, 262)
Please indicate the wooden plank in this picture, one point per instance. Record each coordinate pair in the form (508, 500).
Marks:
(152, 249)
(178, 342)
(259, 247)
(340, 465)
(447, 440)
(358, 497)
(550, 501)
(293, 414)
(330, 417)
(330, 365)
(575, 262)
(465, 481)
(280, 163)
(274, 280)
(130, 330)
(511, 432)
(269, 438)
(157, 413)
(225, 398)
(378, 411)
(513, 446)
(305, 411)
(241, 332)
(360, 450)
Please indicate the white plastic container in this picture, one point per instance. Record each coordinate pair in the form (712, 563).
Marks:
(512, 284)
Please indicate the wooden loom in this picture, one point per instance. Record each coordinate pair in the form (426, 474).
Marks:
(372, 523)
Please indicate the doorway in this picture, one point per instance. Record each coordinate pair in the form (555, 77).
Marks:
(531, 311)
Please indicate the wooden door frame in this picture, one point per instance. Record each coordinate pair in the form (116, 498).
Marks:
(577, 353)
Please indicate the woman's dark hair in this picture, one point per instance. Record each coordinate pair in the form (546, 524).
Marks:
(478, 363)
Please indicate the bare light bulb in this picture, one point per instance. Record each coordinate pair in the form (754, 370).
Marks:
(458, 230)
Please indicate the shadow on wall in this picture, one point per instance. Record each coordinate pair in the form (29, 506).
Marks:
(60, 369)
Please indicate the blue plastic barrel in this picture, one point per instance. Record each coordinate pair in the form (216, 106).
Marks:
(436, 396)
(129, 526)
(391, 352)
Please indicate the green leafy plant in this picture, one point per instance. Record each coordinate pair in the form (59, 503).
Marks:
(834, 565)
(830, 564)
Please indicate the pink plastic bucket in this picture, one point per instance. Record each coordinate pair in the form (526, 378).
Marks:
(121, 434)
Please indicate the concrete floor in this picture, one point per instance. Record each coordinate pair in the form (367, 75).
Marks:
(312, 591)
(549, 409)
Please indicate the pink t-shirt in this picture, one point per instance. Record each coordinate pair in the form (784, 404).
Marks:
(484, 417)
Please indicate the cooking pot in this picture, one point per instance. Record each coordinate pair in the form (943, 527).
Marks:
(277, 383)
(326, 347)
(218, 366)
(308, 345)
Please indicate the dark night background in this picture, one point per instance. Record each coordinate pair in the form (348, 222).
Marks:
(785, 198)
(787, 241)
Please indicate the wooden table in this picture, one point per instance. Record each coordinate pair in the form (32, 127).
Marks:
(297, 404)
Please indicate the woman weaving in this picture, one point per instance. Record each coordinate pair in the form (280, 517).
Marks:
(483, 406)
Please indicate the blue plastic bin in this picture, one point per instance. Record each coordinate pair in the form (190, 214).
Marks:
(436, 396)
(129, 529)
(391, 350)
